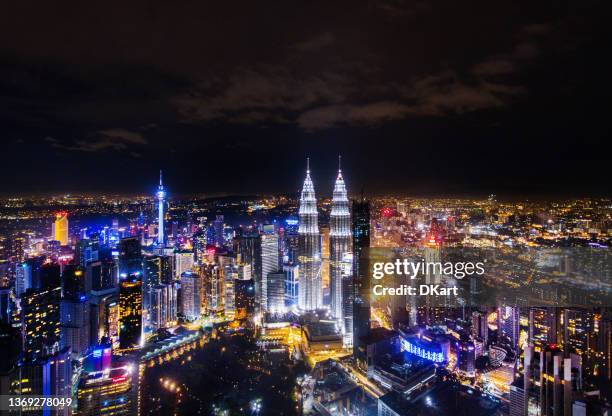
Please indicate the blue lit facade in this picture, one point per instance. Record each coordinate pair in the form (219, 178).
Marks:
(161, 200)
(428, 350)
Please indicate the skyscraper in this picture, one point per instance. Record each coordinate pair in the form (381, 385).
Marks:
(276, 292)
(508, 318)
(130, 256)
(292, 276)
(101, 276)
(23, 278)
(248, 250)
(60, 228)
(108, 392)
(311, 287)
(75, 324)
(157, 270)
(183, 262)
(543, 325)
(218, 226)
(191, 295)
(86, 251)
(339, 242)
(130, 312)
(213, 285)
(161, 199)
(41, 336)
(269, 264)
(50, 376)
(230, 274)
(361, 288)
(73, 282)
(74, 310)
(162, 305)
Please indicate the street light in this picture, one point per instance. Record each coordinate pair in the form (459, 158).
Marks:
(256, 406)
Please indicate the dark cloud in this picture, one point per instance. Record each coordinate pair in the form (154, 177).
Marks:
(102, 140)
(153, 82)
(318, 42)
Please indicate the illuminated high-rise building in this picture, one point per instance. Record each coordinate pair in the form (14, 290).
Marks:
(74, 310)
(130, 312)
(213, 285)
(6, 308)
(218, 226)
(191, 295)
(291, 240)
(108, 392)
(162, 305)
(75, 325)
(161, 200)
(101, 277)
(73, 282)
(348, 299)
(199, 247)
(48, 376)
(130, 256)
(311, 287)
(508, 323)
(292, 278)
(604, 347)
(86, 251)
(183, 262)
(579, 335)
(559, 377)
(466, 357)
(23, 278)
(357, 314)
(480, 327)
(60, 228)
(157, 270)
(269, 264)
(100, 317)
(339, 243)
(18, 249)
(543, 326)
(248, 250)
(230, 274)
(244, 292)
(276, 292)
(41, 336)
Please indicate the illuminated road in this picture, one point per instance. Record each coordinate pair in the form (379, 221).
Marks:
(368, 386)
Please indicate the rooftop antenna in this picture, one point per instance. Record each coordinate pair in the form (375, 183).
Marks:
(307, 165)
(160, 178)
(339, 163)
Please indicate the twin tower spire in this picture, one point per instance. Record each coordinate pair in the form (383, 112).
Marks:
(308, 202)
(310, 295)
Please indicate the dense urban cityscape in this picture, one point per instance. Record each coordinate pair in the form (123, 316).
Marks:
(151, 304)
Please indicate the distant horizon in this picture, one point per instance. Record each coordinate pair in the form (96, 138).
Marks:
(295, 195)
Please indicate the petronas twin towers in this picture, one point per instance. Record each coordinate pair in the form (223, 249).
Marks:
(311, 285)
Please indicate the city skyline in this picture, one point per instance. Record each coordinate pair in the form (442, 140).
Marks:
(147, 306)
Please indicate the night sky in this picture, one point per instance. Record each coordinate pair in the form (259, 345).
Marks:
(420, 97)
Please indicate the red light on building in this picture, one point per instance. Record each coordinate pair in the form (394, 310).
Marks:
(431, 240)
(387, 212)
